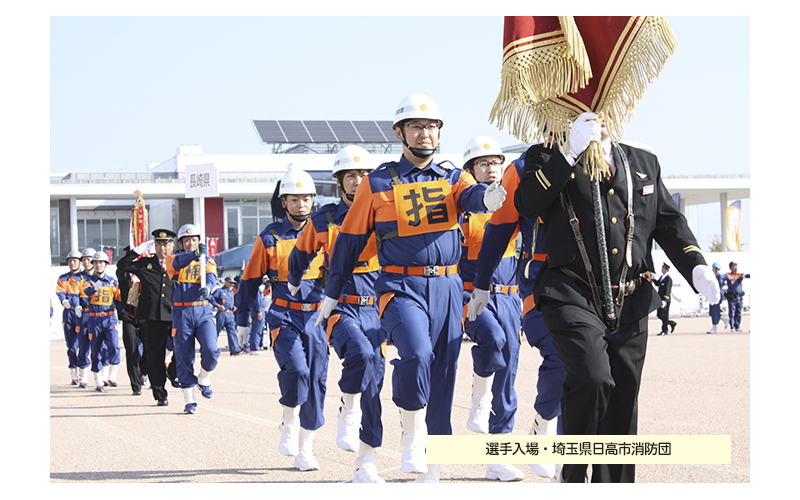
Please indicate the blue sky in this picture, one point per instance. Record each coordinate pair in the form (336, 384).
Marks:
(128, 90)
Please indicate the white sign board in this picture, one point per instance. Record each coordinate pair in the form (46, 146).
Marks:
(201, 181)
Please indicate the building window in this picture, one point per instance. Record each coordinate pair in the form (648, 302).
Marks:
(245, 219)
(102, 234)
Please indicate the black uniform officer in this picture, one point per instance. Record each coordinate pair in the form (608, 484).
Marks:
(664, 286)
(132, 336)
(155, 304)
(603, 354)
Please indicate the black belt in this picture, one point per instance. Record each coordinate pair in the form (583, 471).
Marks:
(628, 288)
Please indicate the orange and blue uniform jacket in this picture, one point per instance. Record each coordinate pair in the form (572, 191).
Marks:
(270, 257)
(422, 212)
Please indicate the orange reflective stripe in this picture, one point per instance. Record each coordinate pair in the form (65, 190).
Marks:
(507, 213)
(383, 302)
(360, 217)
(528, 304)
(331, 323)
(274, 334)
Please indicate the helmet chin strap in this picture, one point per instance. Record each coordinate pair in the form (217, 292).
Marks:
(350, 197)
(418, 152)
(298, 218)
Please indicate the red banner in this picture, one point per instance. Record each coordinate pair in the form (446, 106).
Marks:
(213, 245)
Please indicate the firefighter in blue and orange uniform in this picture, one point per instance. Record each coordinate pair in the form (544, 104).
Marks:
(412, 206)
(258, 318)
(300, 346)
(101, 296)
(354, 327)
(496, 333)
(502, 227)
(222, 300)
(78, 360)
(76, 284)
(192, 319)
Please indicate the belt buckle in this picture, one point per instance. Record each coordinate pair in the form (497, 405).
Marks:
(306, 307)
(431, 271)
(497, 288)
(363, 301)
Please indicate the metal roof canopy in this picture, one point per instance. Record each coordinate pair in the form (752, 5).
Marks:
(325, 132)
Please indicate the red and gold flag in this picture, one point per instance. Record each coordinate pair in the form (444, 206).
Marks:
(557, 67)
(138, 231)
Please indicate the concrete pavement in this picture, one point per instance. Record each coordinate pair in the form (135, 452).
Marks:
(693, 383)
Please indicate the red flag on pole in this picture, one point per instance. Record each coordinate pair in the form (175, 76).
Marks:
(557, 67)
(138, 231)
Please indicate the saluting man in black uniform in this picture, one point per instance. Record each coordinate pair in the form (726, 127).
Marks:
(147, 262)
(603, 347)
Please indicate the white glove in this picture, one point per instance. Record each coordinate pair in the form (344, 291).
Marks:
(663, 304)
(584, 131)
(494, 196)
(78, 311)
(325, 309)
(706, 283)
(479, 300)
(144, 247)
(65, 303)
(293, 289)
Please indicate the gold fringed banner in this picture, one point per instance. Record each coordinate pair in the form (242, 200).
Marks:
(555, 68)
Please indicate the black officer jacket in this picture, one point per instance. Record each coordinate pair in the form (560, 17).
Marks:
(656, 217)
(155, 301)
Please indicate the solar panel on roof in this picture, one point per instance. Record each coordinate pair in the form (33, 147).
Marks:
(295, 131)
(320, 131)
(369, 131)
(344, 130)
(388, 131)
(269, 131)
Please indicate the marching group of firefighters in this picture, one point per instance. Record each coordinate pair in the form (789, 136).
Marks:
(415, 254)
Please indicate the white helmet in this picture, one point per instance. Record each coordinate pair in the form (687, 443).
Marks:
(482, 146)
(100, 256)
(351, 158)
(74, 255)
(88, 252)
(189, 230)
(417, 106)
(297, 182)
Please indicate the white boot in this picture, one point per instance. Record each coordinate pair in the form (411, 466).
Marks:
(432, 476)
(73, 375)
(112, 375)
(83, 379)
(366, 470)
(104, 372)
(191, 402)
(504, 472)
(305, 460)
(98, 381)
(713, 329)
(542, 427)
(412, 440)
(478, 420)
(290, 430)
(204, 383)
(349, 422)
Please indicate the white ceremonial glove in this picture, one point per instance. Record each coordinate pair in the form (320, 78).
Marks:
(78, 311)
(584, 131)
(145, 247)
(65, 303)
(494, 196)
(293, 289)
(663, 304)
(479, 300)
(706, 283)
(326, 309)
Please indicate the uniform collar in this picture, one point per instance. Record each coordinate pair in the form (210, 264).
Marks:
(341, 209)
(405, 166)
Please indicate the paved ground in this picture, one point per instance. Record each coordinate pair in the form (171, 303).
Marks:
(693, 383)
